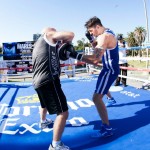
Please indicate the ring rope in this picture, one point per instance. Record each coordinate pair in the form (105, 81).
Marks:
(25, 54)
(29, 60)
(126, 58)
(80, 63)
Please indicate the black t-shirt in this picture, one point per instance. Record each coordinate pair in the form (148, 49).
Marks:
(46, 63)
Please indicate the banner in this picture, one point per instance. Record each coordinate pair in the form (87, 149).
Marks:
(18, 51)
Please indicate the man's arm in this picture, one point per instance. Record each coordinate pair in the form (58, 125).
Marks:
(65, 36)
(99, 50)
(98, 47)
(95, 58)
(68, 51)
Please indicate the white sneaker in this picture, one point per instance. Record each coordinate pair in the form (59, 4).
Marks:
(61, 146)
(45, 124)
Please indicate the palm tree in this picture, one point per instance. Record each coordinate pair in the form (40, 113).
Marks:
(140, 35)
(87, 44)
(83, 40)
(80, 45)
(131, 42)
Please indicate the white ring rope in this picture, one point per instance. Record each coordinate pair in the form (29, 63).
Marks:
(85, 68)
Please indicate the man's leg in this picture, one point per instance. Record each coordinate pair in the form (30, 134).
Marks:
(59, 125)
(109, 95)
(101, 108)
(44, 122)
(43, 112)
(111, 100)
(105, 128)
(124, 73)
(117, 82)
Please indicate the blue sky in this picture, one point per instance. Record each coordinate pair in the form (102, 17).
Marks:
(20, 19)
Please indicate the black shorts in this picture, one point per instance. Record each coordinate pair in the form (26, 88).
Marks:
(52, 97)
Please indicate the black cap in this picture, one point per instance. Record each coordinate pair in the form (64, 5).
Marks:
(119, 37)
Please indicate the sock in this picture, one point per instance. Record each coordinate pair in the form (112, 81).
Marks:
(43, 121)
(110, 98)
(55, 143)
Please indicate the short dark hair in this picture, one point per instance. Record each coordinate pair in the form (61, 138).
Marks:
(119, 37)
(93, 22)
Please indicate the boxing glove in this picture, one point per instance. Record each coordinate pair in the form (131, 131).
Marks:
(62, 52)
(67, 50)
(89, 36)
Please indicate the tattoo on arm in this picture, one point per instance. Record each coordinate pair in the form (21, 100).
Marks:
(97, 52)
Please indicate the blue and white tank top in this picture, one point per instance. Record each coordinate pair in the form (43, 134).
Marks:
(110, 58)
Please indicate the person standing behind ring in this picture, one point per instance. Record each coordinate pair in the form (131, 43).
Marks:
(122, 62)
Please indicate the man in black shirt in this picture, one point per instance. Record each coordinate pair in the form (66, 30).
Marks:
(46, 80)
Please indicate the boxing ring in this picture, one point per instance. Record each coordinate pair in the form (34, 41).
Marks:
(19, 117)
(19, 112)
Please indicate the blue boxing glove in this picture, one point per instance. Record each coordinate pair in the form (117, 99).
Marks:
(91, 39)
(89, 36)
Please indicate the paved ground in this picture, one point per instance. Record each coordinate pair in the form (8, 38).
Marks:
(135, 74)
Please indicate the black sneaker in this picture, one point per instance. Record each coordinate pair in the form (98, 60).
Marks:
(106, 130)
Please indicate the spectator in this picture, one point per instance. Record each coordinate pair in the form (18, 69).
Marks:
(122, 61)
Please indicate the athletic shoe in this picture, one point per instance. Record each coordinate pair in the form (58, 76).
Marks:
(116, 84)
(106, 130)
(124, 85)
(61, 146)
(110, 102)
(45, 124)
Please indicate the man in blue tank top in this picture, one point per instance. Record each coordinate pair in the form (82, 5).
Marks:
(106, 50)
